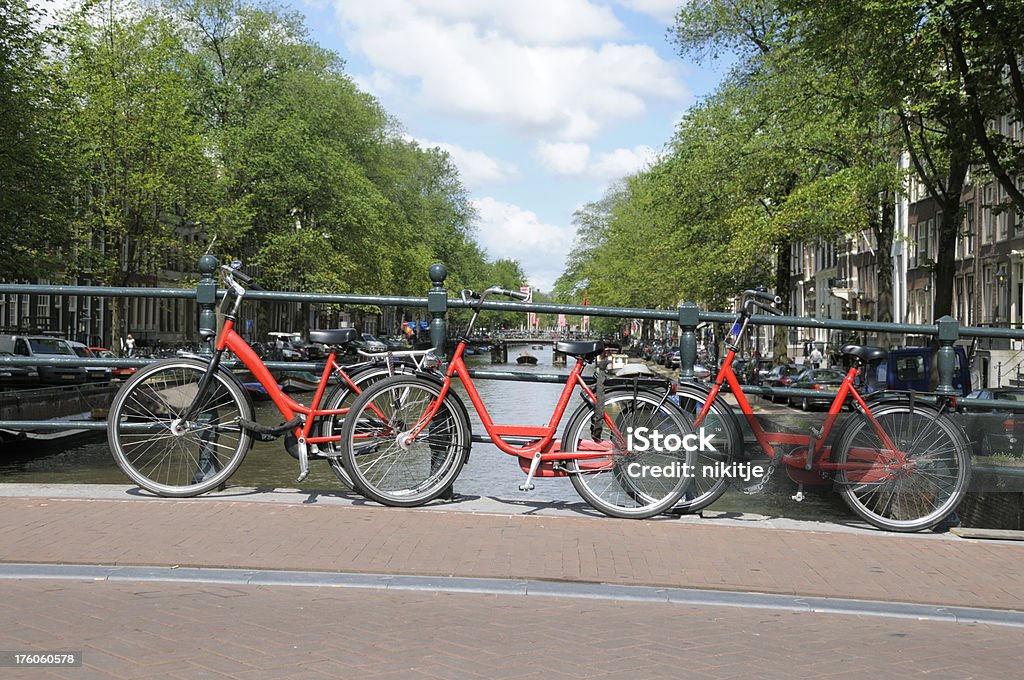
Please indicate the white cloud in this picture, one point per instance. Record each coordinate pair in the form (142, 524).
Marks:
(536, 67)
(512, 232)
(563, 158)
(568, 159)
(476, 168)
(662, 10)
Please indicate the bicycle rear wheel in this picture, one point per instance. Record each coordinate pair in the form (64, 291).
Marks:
(386, 462)
(343, 396)
(635, 478)
(914, 496)
(165, 455)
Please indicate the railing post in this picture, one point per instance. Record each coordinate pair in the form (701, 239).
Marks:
(949, 332)
(437, 305)
(688, 320)
(206, 296)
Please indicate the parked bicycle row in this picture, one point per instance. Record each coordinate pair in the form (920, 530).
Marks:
(393, 429)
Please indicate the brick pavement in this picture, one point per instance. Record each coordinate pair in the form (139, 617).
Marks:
(210, 532)
(179, 631)
(175, 630)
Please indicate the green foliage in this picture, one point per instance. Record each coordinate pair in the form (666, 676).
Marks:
(33, 163)
(181, 120)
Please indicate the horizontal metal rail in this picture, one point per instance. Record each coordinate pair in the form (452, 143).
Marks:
(437, 302)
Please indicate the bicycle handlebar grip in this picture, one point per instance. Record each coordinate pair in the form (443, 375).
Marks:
(764, 296)
(517, 294)
(771, 309)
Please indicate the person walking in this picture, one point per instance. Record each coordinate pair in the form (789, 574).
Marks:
(129, 344)
(815, 358)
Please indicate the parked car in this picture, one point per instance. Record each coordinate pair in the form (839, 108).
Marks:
(43, 346)
(823, 380)
(17, 376)
(287, 346)
(369, 343)
(781, 375)
(118, 372)
(93, 374)
(994, 430)
(910, 368)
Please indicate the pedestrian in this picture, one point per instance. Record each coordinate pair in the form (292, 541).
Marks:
(129, 344)
(815, 358)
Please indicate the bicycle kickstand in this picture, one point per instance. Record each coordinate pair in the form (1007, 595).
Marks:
(534, 464)
(303, 459)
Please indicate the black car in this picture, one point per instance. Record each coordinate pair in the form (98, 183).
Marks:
(826, 381)
(781, 376)
(994, 431)
(17, 376)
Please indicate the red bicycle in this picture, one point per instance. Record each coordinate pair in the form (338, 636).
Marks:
(406, 438)
(181, 427)
(899, 462)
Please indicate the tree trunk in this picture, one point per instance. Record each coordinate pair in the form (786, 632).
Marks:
(884, 228)
(783, 272)
(949, 230)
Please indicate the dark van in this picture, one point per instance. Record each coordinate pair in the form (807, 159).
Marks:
(910, 368)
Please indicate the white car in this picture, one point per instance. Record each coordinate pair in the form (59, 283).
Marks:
(372, 344)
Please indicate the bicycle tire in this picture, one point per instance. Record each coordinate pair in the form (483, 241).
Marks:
(390, 470)
(623, 484)
(178, 461)
(904, 500)
(343, 396)
(709, 479)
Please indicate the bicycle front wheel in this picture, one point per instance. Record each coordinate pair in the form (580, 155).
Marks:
(641, 472)
(714, 463)
(393, 456)
(917, 494)
(160, 451)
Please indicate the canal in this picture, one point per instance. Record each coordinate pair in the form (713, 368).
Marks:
(489, 472)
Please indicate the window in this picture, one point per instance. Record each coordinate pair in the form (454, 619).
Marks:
(989, 292)
(989, 234)
(969, 230)
(969, 297)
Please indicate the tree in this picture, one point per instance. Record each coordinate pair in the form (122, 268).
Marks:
(33, 165)
(142, 166)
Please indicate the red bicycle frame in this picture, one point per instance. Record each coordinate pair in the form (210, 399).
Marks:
(816, 453)
(546, 446)
(229, 339)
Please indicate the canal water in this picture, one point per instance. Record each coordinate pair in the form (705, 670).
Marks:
(489, 472)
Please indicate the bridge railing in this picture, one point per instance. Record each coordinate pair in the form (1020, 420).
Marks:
(438, 302)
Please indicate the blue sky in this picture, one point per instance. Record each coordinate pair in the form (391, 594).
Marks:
(542, 103)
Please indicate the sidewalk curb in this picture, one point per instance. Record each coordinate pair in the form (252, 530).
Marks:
(519, 587)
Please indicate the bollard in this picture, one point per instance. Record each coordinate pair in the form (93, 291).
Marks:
(688, 320)
(949, 332)
(206, 296)
(437, 305)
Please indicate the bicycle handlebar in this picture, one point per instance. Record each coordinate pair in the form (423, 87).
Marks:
(763, 295)
(234, 271)
(468, 294)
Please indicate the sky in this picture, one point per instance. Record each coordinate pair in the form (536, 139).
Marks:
(542, 104)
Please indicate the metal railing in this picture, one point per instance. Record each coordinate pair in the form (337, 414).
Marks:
(437, 303)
